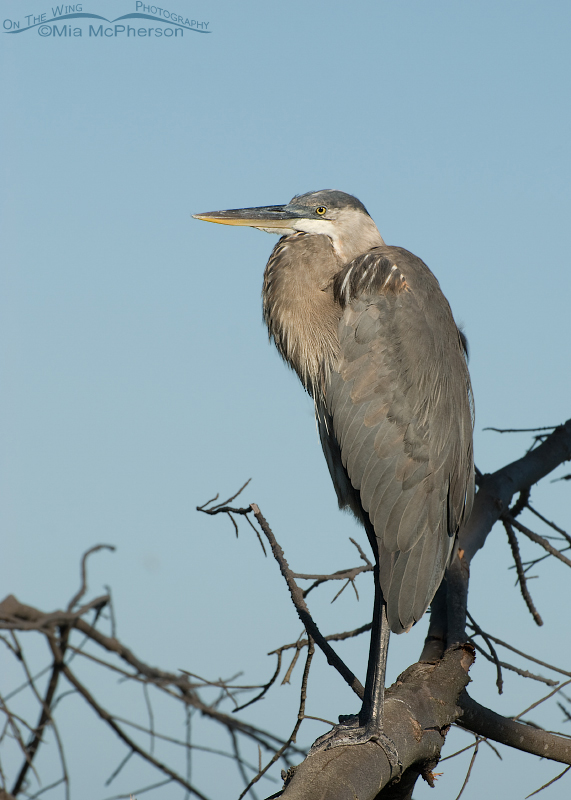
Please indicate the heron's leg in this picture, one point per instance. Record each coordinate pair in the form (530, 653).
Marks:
(368, 725)
(371, 714)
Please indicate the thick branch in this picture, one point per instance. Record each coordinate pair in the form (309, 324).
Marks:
(493, 499)
(483, 721)
(496, 491)
(419, 709)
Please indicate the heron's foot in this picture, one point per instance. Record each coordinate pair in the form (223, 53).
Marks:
(348, 720)
(350, 732)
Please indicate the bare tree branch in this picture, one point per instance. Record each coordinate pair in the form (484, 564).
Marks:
(83, 588)
(487, 723)
(527, 656)
(539, 540)
(427, 694)
(496, 491)
(300, 718)
(426, 699)
(523, 672)
(493, 657)
(520, 570)
(302, 609)
(549, 783)
(147, 756)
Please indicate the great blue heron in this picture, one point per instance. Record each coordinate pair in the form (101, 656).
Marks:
(372, 338)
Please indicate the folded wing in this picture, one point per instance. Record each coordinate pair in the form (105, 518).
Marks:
(398, 408)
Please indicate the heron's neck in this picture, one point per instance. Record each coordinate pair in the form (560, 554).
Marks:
(354, 236)
(299, 309)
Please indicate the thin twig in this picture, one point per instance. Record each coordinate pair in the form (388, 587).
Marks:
(111, 608)
(342, 589)
(12, 717)
(300, 716)
(321, 719)
(522, 430)
(137, 792)
(467, 778)
(303, 612)
(116, 772)
(83, 588)
(45, 717)
(542, 700)
(179, 742)
(290, 669)
(545, 785)
(541, 540)
(523, 672)
(101, 712)
(551, 524)
(458, 752)
(319, 580)
(17, 736)
(494, 656)
(331, 637)
(222, 507)
(265, 688)
(512, 538)
(340, 575)
(151, 715)
(188, 743)
(238, 759)
(46, 788)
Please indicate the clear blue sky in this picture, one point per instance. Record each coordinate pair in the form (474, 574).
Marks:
(138, 380)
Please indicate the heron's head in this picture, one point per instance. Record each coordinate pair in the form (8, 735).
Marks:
(338, 215)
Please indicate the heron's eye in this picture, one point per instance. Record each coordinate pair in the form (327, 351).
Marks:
(320, 210)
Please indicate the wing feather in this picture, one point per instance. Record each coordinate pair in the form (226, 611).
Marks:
(361, 453)
(399, 403)
(379, 474)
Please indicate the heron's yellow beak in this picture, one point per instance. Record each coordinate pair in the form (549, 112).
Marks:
(209, 217)
(265, 217)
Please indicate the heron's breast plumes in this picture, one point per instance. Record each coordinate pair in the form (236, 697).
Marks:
(299, 309)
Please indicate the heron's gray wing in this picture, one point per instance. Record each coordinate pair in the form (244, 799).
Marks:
(399, 406)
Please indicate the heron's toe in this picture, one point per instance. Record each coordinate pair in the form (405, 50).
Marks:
(351, 733)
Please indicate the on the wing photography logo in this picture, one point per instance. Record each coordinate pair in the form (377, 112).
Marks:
(72, 21)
